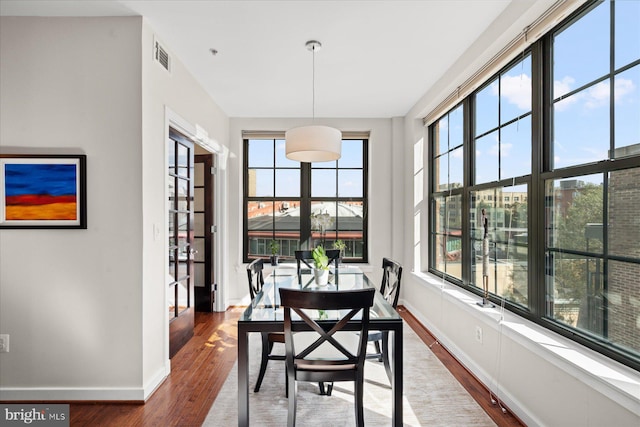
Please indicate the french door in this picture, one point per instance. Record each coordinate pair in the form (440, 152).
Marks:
(180, 291)
(203, 232)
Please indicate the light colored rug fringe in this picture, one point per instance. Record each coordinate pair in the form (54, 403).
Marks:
(432, 396)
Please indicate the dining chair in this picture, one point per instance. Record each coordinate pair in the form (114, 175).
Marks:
(306, 257)
(256, 282)
(322, 351)
(390, 290)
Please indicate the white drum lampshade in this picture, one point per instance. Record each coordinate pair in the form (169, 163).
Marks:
(313, 144)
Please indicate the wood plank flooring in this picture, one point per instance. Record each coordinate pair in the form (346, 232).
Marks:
(200, 368)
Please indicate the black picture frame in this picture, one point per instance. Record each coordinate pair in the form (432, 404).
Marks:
(43, 191)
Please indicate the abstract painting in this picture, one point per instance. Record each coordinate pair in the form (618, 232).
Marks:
(42, 191)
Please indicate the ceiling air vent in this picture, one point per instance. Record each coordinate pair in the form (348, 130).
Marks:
(162, 56)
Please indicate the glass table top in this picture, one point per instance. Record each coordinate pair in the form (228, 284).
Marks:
(266, 307)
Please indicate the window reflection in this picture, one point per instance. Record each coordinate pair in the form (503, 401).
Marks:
(506, 210)
(575, 213)
(448, 230)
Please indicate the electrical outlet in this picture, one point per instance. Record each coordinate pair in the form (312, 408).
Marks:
(479, 334)
(4, 343)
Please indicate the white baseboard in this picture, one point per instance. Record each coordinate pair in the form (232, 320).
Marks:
(70, 394)
(132, 394)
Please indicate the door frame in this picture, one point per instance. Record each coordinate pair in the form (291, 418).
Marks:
(220, 261)
(205, 295)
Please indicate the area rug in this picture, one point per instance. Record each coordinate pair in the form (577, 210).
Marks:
(432, 396)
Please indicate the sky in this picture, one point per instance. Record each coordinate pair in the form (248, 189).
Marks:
(581, 121)
(288, 178)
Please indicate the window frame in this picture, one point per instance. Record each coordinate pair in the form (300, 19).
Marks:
(306, 199)
(541, 172)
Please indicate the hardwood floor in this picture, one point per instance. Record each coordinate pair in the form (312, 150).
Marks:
(200, 368)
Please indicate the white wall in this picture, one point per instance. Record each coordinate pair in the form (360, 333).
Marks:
(68, 298)
(86, 309)
(177, 94)
(384, 160)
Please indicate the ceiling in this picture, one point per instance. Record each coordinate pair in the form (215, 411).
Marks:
(378, 58)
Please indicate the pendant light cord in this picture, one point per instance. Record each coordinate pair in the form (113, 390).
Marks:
(313, 85)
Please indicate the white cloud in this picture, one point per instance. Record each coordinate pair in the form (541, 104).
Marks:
(562, 87)
(456, 154)
(565, 104)
(623, 87)
(596, 96)
(517, 90)
(505, 149)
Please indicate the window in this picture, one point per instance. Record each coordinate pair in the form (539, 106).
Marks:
(447, 151)
(561, 166)
(446, 196)
(593, 251)
(503, 125)
(589, 86)
(302, 205)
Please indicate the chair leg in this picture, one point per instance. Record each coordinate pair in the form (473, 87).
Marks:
(266, 348)
(378, 351)
(291, 414)
(359, 400)
(286, 382)
(385, 354)
(329, 388)
(325, 391)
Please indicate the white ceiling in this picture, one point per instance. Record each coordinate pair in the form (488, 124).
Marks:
(378, 57)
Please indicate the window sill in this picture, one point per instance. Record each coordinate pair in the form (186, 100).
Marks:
(614, 380)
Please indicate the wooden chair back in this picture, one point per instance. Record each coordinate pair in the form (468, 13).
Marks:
(255, 276)
(306, 257)
(391, 279)
(342, 363)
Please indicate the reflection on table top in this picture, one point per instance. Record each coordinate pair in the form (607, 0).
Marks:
(266, 307)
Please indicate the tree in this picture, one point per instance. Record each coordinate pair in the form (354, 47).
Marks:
(572, 273)
(585, 208)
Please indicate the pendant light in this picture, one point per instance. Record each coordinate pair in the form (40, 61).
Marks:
(313, 143)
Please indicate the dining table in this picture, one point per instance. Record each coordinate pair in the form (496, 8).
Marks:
(265, 314)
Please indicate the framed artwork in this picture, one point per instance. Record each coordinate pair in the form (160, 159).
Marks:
(43, 191)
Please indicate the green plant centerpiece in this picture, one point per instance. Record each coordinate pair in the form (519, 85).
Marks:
(341, 246)
(321, 265)
(274, 246)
